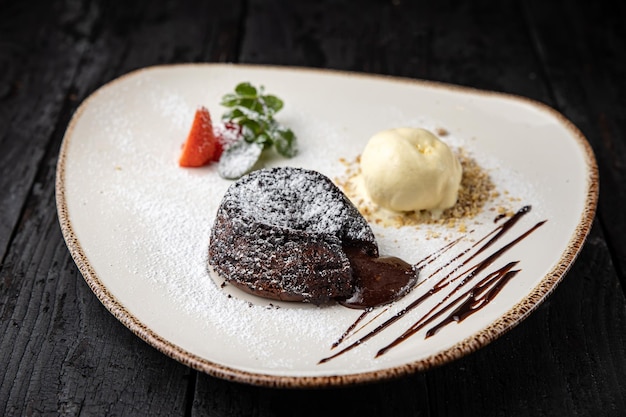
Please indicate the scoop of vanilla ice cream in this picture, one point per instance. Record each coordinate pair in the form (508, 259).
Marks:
(408, 169)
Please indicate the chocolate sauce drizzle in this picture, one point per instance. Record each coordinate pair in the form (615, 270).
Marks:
(465, 299)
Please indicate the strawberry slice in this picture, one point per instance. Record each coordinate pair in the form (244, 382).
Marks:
(219, 149)
(201, 146)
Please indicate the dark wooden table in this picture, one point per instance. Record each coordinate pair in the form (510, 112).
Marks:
(63, 353)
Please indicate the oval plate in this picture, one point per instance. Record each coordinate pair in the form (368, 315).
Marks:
(137, 225)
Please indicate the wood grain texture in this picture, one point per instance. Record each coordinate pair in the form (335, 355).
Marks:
(585, 64)
(40, 67)
(62, 353)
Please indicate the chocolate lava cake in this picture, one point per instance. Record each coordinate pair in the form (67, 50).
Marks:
(290, 234)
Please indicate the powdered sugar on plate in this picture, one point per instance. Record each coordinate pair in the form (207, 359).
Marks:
(144, 222)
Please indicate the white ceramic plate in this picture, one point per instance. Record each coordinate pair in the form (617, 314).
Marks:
(138, 225)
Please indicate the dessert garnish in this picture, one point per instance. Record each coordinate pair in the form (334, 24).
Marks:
(290, 234)
(471, 282)
(202, 145)
(247, 129)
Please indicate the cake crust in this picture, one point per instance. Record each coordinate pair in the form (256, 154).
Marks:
(279, 233)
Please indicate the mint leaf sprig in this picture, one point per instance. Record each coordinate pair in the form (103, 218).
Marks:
(254, 111)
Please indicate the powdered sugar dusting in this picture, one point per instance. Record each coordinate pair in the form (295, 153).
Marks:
(239, 158)
(145, 223)
(301, 200)
(159, 217)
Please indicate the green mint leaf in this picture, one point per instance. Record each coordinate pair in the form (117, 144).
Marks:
(273, 103)
(230, 100)
(233, 114)
(254, 111)
(265, 140)
(252, 105)
(248, 135)
(252, 126)
(285, 143)
(245, 89)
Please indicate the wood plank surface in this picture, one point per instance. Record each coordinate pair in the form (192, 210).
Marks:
(585, 65)
(63, 353)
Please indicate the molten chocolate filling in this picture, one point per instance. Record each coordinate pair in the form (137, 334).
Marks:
(377, 280)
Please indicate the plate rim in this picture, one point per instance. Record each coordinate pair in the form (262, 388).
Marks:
(497, 328)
